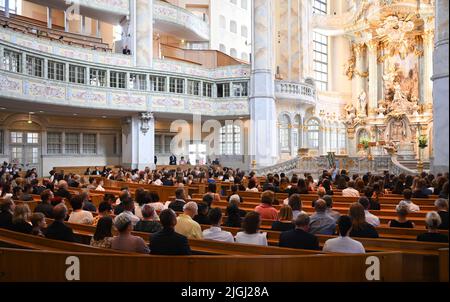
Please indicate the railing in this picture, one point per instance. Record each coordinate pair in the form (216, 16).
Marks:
(398, 168)
(284, 167)
(119, 7)
(295, 91)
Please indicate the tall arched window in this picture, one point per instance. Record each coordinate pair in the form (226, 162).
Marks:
(284, 123)
(244, 4)
(342, 139)
(233, 52)
(230, 140)
(233, 26)
(244, 56)
(222, 48)
(222, 22)
(313, 129)
(296, 132)
(334, 138)
(244, 31)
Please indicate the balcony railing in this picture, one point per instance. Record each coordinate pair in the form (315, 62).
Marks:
(295, 91)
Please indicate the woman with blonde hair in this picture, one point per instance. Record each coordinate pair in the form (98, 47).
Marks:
(284, 222)
(360, 227)
(21, 219)
(402, 213)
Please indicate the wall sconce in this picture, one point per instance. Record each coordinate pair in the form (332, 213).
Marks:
(145, 118)
(29, 118)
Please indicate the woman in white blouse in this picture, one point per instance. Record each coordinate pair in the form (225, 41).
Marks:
(251, 233)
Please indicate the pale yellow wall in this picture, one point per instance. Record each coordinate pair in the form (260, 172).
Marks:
(339, 53)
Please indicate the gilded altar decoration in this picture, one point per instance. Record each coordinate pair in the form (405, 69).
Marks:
(350, 67)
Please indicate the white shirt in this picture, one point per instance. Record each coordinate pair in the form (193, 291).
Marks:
(158, 206)
(216, 233)
(82, 217)
(100, 188)
(345, 245)
(256, 239)
(350, 192)
(157, 182)
(252, 190)
(372, 219)
(411, 206)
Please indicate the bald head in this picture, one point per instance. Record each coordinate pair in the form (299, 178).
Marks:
(59, 211)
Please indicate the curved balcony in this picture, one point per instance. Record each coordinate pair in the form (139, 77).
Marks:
(299, 92)
(179, 22)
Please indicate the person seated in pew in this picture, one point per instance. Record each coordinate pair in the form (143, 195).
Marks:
(344, 244)
(370, 218)
(269, 185)
(350, 191)
(432, 222)
(421, 190)
(215, 232)
(444, 191)
(149, 222)
(299, 237)
(295, 202)
(21, 219)
(167, 241)
(442, 209)
(17, 193)
(252, 186)
(92, 184)
(62, 190)
(179, 202)
(104, 210)
(284, 222)
(79, 215)
(103, 233)
(202, 216)
(128, 210)
(37, 189)
(234, 192)
(109, 198)
(140, 199)
(251, 233)
(212, 190)
(75, 181)
(235, 202)
(186, 226)
(360, 227)
(155, 203)
(38, 223)
(321, 222)
(301, 187)
(27, 190)
(265, 208)
(45, 206)
(402, 222)
(6, 213)
(125, 241)
(329, 200)
(58, 230)
(100, 186)
(124, 195)
(374, 203)
(407, 195)
(87, 204)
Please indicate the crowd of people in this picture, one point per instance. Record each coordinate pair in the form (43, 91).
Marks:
(169, 232)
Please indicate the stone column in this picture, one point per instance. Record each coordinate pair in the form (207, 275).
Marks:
(7, 8)
(138, 141)
(263, 129)
(428, 45)
(373, 78)
(440, 90)
(142, 24)
(360, 68)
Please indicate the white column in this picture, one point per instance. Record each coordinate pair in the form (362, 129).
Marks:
(142, 24)
(360, 69)
(373, 78)
(49, 17)
(440, 90)
(263, 130)
(7, 8)
(428, 46)
(138, 141)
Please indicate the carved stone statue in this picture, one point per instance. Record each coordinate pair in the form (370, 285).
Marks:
(362, 101)
(397, 131)
(351, 114)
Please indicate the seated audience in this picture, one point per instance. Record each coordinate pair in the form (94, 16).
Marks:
(104, 210)
(402, 212)
(235, 201)
(252, 186)
(299, 238)
(58, 230)
(360, 227)
(212, 190)
(62, 190)
(178, 204)
(421, 190)
(38, 223)
(27, 191)
(234, 219)
(6, 213)
(432, 223)
(128, 208)
(155, 203)
(251, 233)
(442, 209)
(21, 219)
(167, 241)
(44, 206)
(125, 241)
(215, 232)
(344, 244)
(329, 200)
(321, 222)
(295, 202)
(186, 226)
(202, 216)
(103, 233)
(407, 195)
(284, 222)
(265, 209)
(370, 218)
(87, 204)
(79, 215)
(350, 191)
(148, 223)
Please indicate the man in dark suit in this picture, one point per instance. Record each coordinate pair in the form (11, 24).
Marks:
(155, 159)
(58, 230)
(96, 171)
(299, 238)
(167, 241)
(173, 160)
(179, 202)
(6, 214)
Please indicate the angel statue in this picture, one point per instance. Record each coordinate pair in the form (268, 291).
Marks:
(362, 101)
(351, 114)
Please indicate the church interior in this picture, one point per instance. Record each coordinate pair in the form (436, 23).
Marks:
(224, 140)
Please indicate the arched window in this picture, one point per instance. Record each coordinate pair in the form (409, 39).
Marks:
(244, 4)
(230, 140)
(334, 138)
(222, 48)
(233, 26)
(244, 31)
(222, 22)
(284, 123)
(233, 52)
(244, 56)
(296, 131)
(313, 129)
(233, 1)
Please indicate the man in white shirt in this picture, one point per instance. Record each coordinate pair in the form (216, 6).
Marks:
(343, 243)
(128, 205)
(407, 195)
(215, 232)
(370, 218)
(350, 191)
(79, 215)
